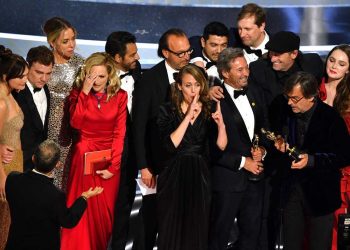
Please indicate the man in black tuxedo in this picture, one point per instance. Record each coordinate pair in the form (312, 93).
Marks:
(38, 209)
(34, 101)
(121, 45)
(151, 91)
(312, 184)
(235, 194)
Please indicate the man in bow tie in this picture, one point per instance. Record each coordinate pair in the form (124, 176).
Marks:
(121, 45)
(251, 22)
(235, 193)
(34, 101)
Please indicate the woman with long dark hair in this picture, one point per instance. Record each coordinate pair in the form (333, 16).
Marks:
(335, 91)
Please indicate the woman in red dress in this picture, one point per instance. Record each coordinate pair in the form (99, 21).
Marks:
(335, 91)
(98, 112)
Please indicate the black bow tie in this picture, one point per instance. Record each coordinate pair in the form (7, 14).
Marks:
(257, 52)
(209, 64)
(36, 90)
(237, 93)
(124, 75)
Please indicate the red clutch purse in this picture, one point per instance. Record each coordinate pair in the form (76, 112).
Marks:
(97, 160)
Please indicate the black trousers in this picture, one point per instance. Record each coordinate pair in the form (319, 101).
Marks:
(246, 206)
(301, 227)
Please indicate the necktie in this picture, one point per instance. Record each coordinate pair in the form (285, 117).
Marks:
(257, 52)
(36, 90)
(209, 64)
(237, 93)
(124, 75)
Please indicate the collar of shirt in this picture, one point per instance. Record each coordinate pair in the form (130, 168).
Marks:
(231, 89)
(47, 175)
(252, 57)
(170, 72)
(31, 88)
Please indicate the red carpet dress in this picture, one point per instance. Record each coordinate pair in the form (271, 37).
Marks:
(99, 127)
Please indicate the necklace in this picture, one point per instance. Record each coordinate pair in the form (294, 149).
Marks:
(98, 98)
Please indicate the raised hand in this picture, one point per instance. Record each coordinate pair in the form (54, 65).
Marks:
(217, 115)
(194, 108)
(89, 82)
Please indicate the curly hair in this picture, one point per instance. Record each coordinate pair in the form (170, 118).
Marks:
(99, 59)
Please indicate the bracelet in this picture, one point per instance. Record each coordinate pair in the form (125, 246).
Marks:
(84, 197)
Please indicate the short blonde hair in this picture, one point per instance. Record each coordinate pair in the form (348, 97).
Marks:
(99, 59)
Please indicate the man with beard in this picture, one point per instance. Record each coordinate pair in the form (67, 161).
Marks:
(151, 91)
(121, 45)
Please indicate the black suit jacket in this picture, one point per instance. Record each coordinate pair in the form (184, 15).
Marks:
(38, 211)
(328, 142)
(226, 175)
(150, 92)
(33, 131)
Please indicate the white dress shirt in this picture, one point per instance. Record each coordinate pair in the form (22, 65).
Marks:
(128, 83)
(252, 57)
(246, 112)
(40, 101)
(170, 71)
(212, 71)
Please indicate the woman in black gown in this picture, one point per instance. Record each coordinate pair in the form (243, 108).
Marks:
(183, 191)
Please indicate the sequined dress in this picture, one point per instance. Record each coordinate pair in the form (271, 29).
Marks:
(10, 136)
(60, 85)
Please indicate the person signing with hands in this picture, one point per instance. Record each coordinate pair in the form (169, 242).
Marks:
(183, 188)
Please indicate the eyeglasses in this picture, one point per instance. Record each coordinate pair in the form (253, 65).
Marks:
(181, 54)
(294, 99)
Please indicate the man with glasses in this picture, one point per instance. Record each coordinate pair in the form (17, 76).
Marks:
(312, 184)
(150, 92)
(270, 74)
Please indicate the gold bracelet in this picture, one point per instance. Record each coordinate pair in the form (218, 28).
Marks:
(84, 197)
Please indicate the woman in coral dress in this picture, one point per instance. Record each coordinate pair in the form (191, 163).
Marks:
(335, 91)
(98, 112)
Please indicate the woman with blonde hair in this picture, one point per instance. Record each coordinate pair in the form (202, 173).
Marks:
(13, 77)
(98, 112)
(61, 37)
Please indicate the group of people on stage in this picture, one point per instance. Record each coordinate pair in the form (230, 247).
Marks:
(235, 125)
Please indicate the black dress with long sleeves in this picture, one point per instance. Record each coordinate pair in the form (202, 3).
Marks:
(183, 191)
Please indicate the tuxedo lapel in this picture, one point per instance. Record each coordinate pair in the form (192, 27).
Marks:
(32, 108)
(163, 81)
(236, 115)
